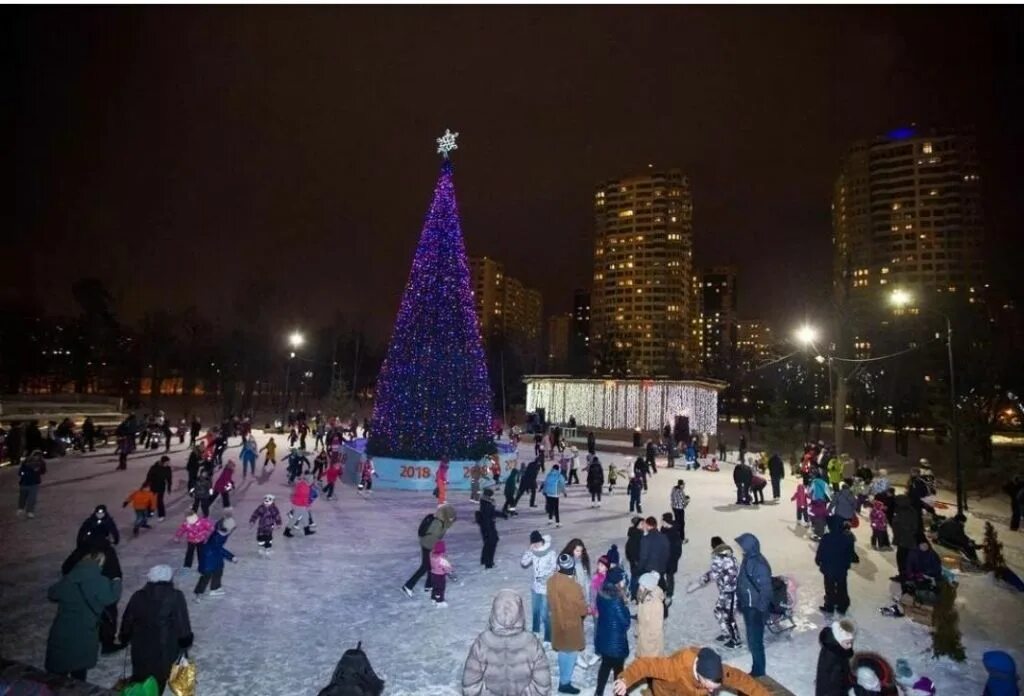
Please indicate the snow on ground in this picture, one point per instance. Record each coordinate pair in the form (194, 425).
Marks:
(284, 622)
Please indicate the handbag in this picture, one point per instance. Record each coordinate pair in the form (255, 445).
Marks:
(182, 681)
(854, 522)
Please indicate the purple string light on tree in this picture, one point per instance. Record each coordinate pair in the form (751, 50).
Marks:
(433, 396)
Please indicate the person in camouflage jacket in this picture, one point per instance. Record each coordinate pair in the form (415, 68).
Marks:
(724, 571)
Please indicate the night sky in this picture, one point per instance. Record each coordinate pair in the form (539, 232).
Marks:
(285, 155)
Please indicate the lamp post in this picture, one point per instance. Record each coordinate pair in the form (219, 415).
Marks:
(295, 340)
(807, 335)
(901, 299)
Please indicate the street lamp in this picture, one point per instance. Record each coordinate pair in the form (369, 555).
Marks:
(295, 340)
(901, 299)
(806, 335)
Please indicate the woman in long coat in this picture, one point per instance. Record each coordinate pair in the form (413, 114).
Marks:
(156, 624)
(72, 647)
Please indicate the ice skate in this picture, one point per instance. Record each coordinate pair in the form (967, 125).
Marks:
(219, 592)
(722, 637)
(441, 605)
(732, 643)
(407, 591)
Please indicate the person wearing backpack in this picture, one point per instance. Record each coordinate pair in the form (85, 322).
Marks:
(432, 529)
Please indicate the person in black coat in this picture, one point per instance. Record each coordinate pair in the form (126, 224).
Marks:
(776, 472)
(633, 536)
(1015, 489)
(156, 624)
(528, 481)
(488, 530)
(742, 476)
(89, 434)
(834, 675)
(88, 545)
(918, 490)
(591, 443)
(159, 480)
(595, 481)
(640, 471)
(98, 526)
(195, 460)
(650, 453)
(670, 530)
(834, 556)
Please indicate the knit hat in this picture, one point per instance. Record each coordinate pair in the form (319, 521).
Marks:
(615, 576)
(883, 472)
(488, 492)
(160, 573)
(867, 678)
(649, 580)
(191, 518)
(227, 524)
(716, 541)
(709, 665)
(535, 537)
(604, 559)
(923, 687)
(439, 547)
(613, 556)
(566, 563)
(844, 630)
(164, 458)
(681, 482)
(269, 496)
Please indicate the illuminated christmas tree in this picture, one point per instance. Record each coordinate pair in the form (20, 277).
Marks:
(433, 397)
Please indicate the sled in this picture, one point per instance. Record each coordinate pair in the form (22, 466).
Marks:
(1010, 578)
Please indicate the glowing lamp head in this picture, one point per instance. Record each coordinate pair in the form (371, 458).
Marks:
(806, 335)
(295, 339)
(900, 298)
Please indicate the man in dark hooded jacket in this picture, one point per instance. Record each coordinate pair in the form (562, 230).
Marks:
(776, 470)
(156, 624)
(754, 594)
(354, 676)
(742, 476)
(97, 526)
(835, 553)
(528, 481)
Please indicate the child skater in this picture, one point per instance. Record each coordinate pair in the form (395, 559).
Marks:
(366, 474)
(271, 448)
(612, 477)
(212, 555)
(143, 502)
(635, 488)
(879, 526)
(332, 475)
(195, 530)
(266, 517)
(801, 505)
(440, 569)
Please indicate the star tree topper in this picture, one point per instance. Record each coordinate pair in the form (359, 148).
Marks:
(446, 143)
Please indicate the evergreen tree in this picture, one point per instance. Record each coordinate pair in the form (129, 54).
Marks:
(992, 549)
(946, 625)
(433, 396)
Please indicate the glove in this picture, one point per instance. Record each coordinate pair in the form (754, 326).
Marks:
(693, 587)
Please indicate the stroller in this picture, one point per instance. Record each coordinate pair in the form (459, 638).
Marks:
(780, 614)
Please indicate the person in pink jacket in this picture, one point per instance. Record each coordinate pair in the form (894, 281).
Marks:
(801, 498)
(195, 530)
(879, 527)
(225, 482)
(440, 569)
(597, 582)
(302, 498)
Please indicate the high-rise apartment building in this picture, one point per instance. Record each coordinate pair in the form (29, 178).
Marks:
(642, 302)
(579, 334)
(487, 278)
(906, 213)
(504, 306)
(754, 345)
(717, 297)
(559, 331)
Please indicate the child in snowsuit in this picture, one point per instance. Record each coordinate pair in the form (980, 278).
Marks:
(724, 571)
(879, 527)
(440, 569)
(634, 488)
(195, 530)
(367, 472)
(271, 448)
(143, 503)
(319, 464)
(265, 517)
(332, 475)
(801, 499)
(212, 555)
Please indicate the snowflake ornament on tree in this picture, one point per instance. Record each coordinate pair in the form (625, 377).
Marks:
(446, 143)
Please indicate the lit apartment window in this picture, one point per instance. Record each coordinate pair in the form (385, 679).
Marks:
(625, 213)
(926, 148)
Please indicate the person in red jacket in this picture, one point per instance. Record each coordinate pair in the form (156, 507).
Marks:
(302, 498)
(332, 475)
(225, 482)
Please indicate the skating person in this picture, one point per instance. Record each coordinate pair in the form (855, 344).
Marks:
(266, 517)
(72, 647)
(757, 486)
(192, 465)
(225, 484)
(440, 569)
(640, 470)
(754, 592)
(574, 460)
(193, 433)
(97, 529)
(143, 503)
(212, 555)
(542, 557)
(319, 465)
(156, 625)
(511, 487)
(297, 463)
(597, 582)
(595, 481)
(528, 481)
(202, 493)
(724, 571)
(776, 471)
(554, 487)
(249, 455)
(485, 517)
(834, 555)
(611, 633)
(650, 625)
(30, 476)
(431, 530)
(688, 672)
(802, 500)
(679, 500)
(271, 450)
(496, 470)
(301, 515)
(195, 530)
(633, 536)
(834, 672)
(879, 527)
(159, 480)
(506, 658)
(441, 482)
(670, 530)
(332, 475)
(613, 477)
(367, 473)
(568, 609)
(635, 489)
(476, 472)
